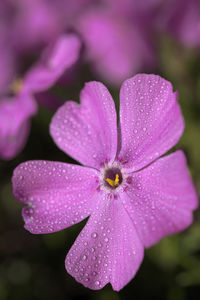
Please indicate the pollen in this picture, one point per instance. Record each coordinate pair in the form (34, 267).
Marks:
(113, 182)
(16, 86)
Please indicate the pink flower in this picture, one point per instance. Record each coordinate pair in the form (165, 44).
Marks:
(15, 121)
(133, 197)
(16, 111)
(181, 19)
(45, 20)
(41, 19)
(116, 45)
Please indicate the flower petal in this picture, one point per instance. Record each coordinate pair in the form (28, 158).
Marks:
(7, 67)
(150, 120)
(182, 21)
(161, 198)
(53, 64)
(107, 250)
(15, 114)
(115, 46)
(58, 194)
(36, 21)
(87, 132)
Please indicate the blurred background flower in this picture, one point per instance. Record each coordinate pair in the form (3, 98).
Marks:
(16, 110)
(117, 38)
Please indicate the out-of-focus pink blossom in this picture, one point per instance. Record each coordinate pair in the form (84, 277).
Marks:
(181, 20)
(29, 24)
(34, 23)
(117, 36)
(7, 68)
(15, 118)
(116, 46)
(54, 61)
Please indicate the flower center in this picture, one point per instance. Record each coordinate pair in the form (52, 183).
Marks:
(16, 86)
(113, 178)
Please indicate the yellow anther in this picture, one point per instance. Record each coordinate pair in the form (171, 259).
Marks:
(113, 182)
(16, 86)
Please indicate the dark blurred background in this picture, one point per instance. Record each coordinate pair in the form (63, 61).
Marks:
(32, 266)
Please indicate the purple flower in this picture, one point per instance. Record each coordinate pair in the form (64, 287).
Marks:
(15, 118)
(45, 20)
(40, 17)
(118, 37)
(52, 64)
(16, 111)
(116, 45)
(133, 197)
(182, 20)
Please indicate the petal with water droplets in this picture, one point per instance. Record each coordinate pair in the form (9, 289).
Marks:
(57, 194)
(161, 198)
(87, 132)
(107, 250)
(150, 120)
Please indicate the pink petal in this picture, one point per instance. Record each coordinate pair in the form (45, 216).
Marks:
(53, 64)
(116, 47)
(37, 21)
(150, 119)
(7, 67)
(161, 198)
(58, 195)
(87, 132)
(15, 114)
(108, 248)
(182, 20)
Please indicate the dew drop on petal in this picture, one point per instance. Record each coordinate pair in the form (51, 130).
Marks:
(94, 273)
(97, 283)
(94, 235)
(84, 257)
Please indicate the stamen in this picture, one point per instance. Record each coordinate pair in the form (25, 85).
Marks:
(113, 182)
(16, 86)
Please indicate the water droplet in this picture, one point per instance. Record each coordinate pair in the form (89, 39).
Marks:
(97, 283)
(87, 279)
(94, 273)
(84, 257)
(106, 240)
(94, 235)
(28, 211)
